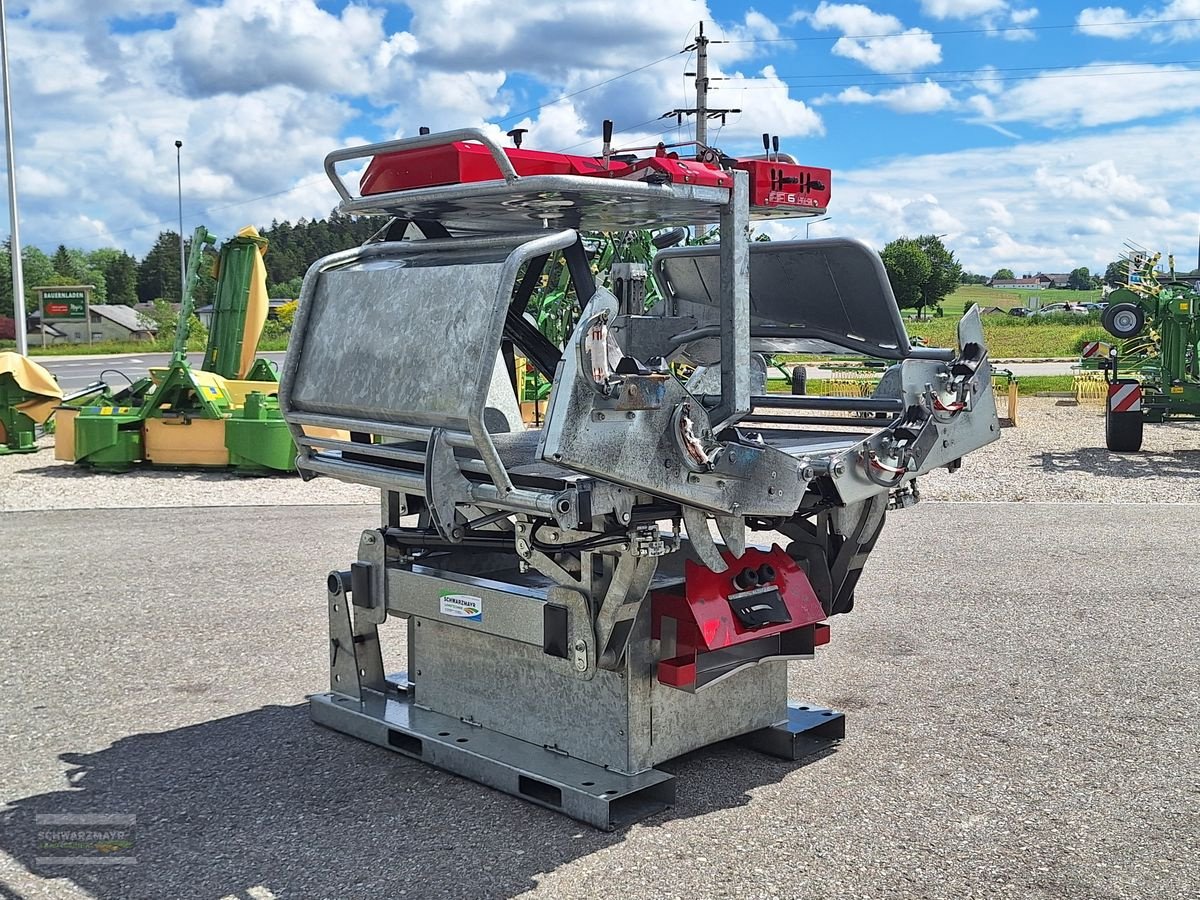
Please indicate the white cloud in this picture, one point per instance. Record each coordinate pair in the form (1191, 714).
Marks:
(1094, 95)
(38, 183)
(996, 211)
(923, 97)
(1050, 206)
(238, 47)
(1173, 21)
(878, 41)
(961, 9)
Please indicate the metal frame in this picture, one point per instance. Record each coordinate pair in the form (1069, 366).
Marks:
(533, 653)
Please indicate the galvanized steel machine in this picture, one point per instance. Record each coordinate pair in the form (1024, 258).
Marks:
(572, 620)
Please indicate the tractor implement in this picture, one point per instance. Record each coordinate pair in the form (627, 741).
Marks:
(224, 413)
(573, 620)
(1158, 321)
(28, 396)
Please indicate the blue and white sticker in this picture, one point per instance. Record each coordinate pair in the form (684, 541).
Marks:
(461, 606)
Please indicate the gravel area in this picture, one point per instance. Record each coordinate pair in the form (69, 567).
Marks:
(1057, 454)
(34, 481)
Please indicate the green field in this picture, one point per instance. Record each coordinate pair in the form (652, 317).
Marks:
(957, 303)
(1009, 337)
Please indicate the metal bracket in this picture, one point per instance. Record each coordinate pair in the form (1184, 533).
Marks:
(445, 486)
(355, 661)
(619, 609)
(696, 523)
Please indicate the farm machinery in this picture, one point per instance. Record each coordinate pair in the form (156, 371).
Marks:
(1159, 322)
(28, 396)
(224, 413)
(626, 583)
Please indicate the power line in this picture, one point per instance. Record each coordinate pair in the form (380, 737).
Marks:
(590, 87)
(982, 72)
(1137, 23)
(622, 130)
(979, 78)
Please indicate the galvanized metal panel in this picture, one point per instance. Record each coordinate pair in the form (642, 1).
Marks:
(508, 687)
(380, 336)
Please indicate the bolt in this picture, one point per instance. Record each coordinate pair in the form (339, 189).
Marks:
(369, 539)
(624, 517)
(839, 468)
(522, 546)
(807, 473)
(630, 415)
(600, 417)
(554, 535)
(945, 443)
(693, 479)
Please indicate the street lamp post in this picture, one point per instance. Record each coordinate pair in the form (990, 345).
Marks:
(812, 222)
(18, 275)
(179, 184)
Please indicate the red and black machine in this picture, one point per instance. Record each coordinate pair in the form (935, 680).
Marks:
(778, 185)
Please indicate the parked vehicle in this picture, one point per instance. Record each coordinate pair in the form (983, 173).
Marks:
(1062, 308)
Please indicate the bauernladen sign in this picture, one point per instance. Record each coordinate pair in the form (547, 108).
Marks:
(64, 304)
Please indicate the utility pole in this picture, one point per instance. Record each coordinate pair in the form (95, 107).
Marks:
(179, 185)
(701, 110)
(18, 275)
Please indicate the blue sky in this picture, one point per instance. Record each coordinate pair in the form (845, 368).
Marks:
(1034, 138)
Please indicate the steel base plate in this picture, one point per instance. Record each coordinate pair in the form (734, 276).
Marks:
(808, 730)
(589, 793)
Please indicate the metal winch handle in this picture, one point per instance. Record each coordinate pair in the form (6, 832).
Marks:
(415, 143)
(871, 462)
(940, 412)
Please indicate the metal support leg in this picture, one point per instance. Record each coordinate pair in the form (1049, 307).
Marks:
(807, 730)
(355, 661)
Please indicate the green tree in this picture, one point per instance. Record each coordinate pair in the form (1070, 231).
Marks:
(71, 267)
(972, 278)
(1003, 274)
(120, 274)
(1116, 272)
(1080, 280)
(37, 270)
(944, 271)
(158, 274)
(65, 264)
(288, 290)
(908, 270)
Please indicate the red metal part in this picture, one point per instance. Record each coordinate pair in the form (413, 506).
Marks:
(460, 162)
(672, 170)
(704, 620)
(787, 185)
(773, 185)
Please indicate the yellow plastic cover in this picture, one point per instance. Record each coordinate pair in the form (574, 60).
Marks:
(32, 379)
(256, 306)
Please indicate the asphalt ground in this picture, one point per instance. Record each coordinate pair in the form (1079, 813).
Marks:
(1020, 682)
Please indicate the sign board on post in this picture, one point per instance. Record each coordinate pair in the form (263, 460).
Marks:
(71, 302)
(65, 304)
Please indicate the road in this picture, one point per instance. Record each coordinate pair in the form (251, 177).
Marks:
(75, 372)
(1020, 725)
